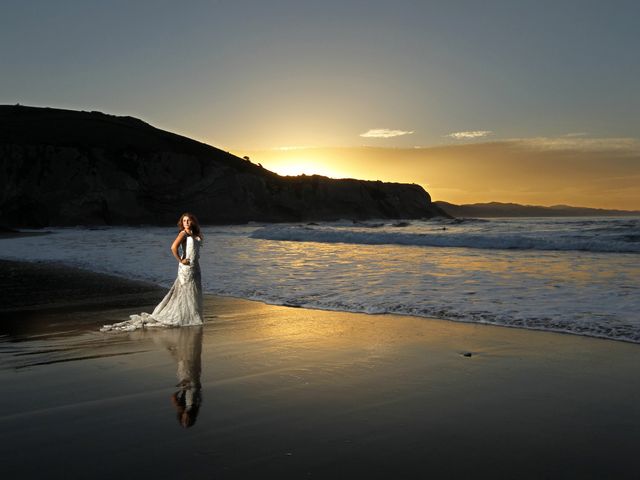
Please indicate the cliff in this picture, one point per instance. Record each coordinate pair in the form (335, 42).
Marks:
(64, 167)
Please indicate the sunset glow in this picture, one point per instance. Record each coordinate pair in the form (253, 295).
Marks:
(303, 166)
(414, 247)
(474, 101)
(294, 161)
(590, 172)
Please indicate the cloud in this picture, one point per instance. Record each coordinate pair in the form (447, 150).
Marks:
(471, 134)
(385, 133)
(576, 134)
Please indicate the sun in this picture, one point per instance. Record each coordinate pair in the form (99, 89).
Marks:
(294, 161)
(294, 166)
(303, 167)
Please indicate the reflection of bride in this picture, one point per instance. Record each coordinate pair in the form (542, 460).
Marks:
(185, 346)
(187, 352)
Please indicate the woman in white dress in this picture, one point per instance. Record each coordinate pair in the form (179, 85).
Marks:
(182, 306)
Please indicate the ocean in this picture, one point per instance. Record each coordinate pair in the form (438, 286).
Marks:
(575, 275)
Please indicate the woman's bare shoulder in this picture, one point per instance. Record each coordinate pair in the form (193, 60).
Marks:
(181, 235)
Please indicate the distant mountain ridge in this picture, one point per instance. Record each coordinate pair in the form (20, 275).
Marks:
(497, 209)
(67, 167)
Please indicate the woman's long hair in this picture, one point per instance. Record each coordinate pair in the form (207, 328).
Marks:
(195, 225)
(186, 415)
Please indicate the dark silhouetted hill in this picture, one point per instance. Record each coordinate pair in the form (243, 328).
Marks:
(65, 167)
(496, 209)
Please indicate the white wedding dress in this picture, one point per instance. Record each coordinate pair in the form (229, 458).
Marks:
(182, 306)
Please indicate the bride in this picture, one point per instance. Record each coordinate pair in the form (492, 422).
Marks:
(182, 306)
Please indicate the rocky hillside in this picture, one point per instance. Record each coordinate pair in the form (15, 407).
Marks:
(64, 167)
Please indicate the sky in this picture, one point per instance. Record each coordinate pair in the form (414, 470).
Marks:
(534, 102)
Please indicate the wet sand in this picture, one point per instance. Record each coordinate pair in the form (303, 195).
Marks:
(296, 393)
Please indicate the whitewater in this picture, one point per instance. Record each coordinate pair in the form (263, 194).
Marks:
(572, 275)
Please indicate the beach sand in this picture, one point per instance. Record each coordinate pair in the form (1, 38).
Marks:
(298, 393)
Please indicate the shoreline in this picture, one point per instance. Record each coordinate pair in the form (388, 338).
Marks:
(296, 392)
(94, 290)
(434, 319)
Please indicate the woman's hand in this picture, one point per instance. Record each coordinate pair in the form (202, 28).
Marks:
(185, 261)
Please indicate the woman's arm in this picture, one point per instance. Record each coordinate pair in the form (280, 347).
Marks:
(174, 248)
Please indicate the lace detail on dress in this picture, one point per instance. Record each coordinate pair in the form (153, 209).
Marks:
(182, 306)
